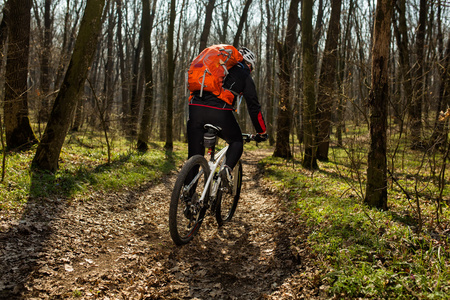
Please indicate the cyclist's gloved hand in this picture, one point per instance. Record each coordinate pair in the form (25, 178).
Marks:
(261, 137)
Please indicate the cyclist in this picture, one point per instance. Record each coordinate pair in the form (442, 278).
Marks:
(210, 109)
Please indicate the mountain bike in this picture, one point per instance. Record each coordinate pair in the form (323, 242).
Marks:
(199, 187)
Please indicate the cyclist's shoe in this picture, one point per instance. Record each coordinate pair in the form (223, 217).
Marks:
(227, 178)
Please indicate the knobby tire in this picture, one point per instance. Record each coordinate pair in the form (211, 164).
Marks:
(226, 202)
(184, 220)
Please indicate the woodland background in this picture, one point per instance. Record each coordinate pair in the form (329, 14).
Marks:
(355, 94)
(120, 66)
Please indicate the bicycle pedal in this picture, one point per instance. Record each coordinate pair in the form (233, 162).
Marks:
(226, 190)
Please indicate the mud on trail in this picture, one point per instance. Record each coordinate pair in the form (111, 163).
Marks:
(117, 246)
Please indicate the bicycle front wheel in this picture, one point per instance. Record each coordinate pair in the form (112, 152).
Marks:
(186, 212)
(227, 199)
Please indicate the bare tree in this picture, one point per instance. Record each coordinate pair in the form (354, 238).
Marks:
(207, 25)
(415, 109)
(147, 23)
(318, 28)
(376, 189)
(327, 82)
(344, 67)
(49, 149)
(135, 99)
(309, 95)
(170, 77)
(286, 52)
(18, 131)
(269, 83)
(401, 35)
(123, 112)
(71, 20)
(225, 13)
(242, 20)
(45, 60)
(108, 86)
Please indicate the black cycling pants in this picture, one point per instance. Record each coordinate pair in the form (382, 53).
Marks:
(231, 132)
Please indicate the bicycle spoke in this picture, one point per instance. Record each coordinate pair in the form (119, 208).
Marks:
(227, 198)
(186, 213)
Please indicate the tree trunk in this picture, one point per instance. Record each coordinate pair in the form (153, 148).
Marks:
(170, 77)
(49, 149)
(109, 68)
(207, 25)
(124, 76)
(225, 18)
(241, 23)
(415, 111)
(72, 17)
(147, 23)
(327, 81)
(440, 54)
(297, 117)
(45, 64)
(401, 35)
(309, 127)
(318, 29)
(376, 189)
(345, 50)
(18, 131)
(135, 100)
(286, 52)
(269, 75)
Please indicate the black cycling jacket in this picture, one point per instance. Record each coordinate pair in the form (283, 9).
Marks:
(239, 82)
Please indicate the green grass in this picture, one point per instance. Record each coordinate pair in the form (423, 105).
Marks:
(365, 252)
(83, 169)
(362, 252)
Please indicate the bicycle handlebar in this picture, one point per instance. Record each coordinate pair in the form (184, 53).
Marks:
(247, 137)
(258, 138)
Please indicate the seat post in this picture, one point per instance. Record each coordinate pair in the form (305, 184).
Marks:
(212, 130)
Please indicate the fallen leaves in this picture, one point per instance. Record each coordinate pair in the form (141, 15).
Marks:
(68, 268)
(117, 246)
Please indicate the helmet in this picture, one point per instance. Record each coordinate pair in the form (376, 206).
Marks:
(248, 55)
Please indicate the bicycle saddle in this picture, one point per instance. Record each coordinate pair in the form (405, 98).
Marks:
(212, 129)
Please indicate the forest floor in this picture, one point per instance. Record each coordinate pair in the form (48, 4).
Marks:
(117, 246)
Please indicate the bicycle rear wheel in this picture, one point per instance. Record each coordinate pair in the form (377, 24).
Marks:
(186, 213)
(227, 200)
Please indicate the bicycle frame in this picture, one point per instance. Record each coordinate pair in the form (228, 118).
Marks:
(213, 163)
(188, 205)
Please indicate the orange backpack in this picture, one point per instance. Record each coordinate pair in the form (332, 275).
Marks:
(210, 67)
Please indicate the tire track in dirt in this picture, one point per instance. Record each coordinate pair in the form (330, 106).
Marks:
(117, 246)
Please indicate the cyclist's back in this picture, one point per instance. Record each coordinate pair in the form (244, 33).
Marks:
(210, 109)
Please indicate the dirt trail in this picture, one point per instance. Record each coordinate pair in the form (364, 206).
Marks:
(117, 246)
